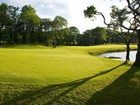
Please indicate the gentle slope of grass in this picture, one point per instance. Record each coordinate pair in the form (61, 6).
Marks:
(66, 76)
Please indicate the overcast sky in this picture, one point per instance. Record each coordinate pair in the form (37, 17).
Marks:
(72, 10)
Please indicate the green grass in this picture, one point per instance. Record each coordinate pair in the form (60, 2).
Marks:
(39, 75)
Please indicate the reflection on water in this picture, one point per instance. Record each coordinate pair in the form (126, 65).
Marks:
(120, 55)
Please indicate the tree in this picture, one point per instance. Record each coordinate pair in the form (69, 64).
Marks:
(58, 24)
(88, 38)
(95, 36)
(30, 19)
(45, 31)
(4, 20)
(122, 16)
(71, 38)
(119, 17)
(134, 6)
(62, 34)
(46, 24)
(113, 37)
(100, 35)
(13, 14)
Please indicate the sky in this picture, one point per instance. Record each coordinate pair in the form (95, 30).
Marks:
(72, 10)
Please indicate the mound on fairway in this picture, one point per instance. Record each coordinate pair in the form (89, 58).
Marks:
(66, 76)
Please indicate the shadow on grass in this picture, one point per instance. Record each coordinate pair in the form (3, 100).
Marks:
(123, 91)
(53, 93)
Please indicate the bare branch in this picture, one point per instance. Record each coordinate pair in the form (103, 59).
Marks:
(104, 19)
(134, 10)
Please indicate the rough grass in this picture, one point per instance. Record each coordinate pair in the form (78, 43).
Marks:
(38, 75)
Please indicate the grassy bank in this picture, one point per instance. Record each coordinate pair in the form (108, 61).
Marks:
(38, 75)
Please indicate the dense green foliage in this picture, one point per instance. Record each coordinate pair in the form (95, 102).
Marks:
(101, 35)
(66, 75)
(23, 26)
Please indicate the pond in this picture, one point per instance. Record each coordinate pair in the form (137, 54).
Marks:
(120, 55)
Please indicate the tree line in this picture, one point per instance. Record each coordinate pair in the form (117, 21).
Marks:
(101, 35)
(24, 26)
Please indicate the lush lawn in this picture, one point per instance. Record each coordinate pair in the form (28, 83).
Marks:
(38, 75)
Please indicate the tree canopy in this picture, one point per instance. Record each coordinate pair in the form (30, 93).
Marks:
(127, 18)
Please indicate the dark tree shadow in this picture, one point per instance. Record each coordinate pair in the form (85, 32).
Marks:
(46, 93)
(123, 91)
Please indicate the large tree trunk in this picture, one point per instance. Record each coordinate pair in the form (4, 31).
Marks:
(137, 61)
(127, 52)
